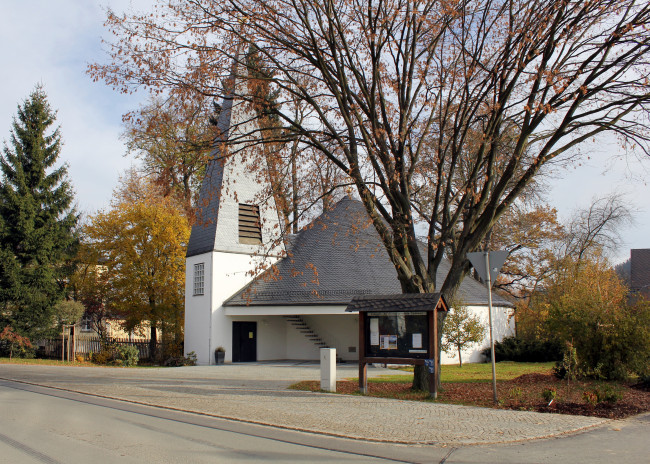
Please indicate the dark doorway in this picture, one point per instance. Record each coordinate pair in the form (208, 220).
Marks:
(244, 341)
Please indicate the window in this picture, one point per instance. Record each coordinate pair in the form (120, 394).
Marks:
(250, 229)
(199, 279)
(86, 323)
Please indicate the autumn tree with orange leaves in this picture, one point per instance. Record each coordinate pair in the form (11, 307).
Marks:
(141, 243)
(586, 304)
(398, 91)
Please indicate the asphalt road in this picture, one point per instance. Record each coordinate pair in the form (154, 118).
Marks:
(43, 425)
(40, 425)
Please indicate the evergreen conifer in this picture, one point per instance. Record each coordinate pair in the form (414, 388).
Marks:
(37, 220)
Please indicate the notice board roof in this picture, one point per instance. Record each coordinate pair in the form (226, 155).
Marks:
(398, 303)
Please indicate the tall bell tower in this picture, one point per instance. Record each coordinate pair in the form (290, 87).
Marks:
(237, 230)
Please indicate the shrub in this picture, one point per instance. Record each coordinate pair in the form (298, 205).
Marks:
(644, 382)
(549, 395)
(602, 394)
(128, 355)
(103, 357)
(515, 394)
(521, 350)
(15, 344)
(568, 368)
(587, 305)
(608, 394)
(589, 397)
(177, 361)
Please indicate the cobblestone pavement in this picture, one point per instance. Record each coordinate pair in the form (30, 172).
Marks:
(258, 393)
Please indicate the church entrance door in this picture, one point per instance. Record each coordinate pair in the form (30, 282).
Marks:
(244, 341)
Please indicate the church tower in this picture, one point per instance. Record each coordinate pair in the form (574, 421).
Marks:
(237, 230)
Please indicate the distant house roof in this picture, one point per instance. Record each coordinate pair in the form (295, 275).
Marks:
(338, 257)
(640, 271)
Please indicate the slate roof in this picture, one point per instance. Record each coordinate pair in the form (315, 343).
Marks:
(399, 302)
(337, 258)
(204, 231)
(640, 271)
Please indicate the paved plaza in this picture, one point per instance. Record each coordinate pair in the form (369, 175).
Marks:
(258, 393)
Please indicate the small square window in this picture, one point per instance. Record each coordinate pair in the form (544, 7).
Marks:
(199, 279)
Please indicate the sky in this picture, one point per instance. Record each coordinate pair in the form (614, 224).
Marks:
(51, 42)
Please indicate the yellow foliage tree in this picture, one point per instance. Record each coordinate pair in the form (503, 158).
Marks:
(587, 305)
(141, 241)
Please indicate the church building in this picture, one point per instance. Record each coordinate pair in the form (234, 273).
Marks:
(260, 297)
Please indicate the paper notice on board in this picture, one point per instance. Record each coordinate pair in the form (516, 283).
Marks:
(417, 340)
(388, 342)
(374, 331)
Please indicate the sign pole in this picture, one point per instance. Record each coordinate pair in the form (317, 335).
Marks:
(363, 367)
(489, 286)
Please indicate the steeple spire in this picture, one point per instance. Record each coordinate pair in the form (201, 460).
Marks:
(232, 191)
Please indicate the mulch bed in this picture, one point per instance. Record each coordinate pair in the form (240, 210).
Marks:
(521, 393)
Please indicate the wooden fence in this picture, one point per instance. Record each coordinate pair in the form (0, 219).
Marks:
(51, 348)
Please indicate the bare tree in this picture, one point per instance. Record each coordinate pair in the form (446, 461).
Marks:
(597, 228)
(173, 138)
(468, 98)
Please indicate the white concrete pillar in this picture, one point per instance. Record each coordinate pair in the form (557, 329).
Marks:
(328, 369)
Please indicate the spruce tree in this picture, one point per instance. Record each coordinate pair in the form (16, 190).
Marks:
(37, 220)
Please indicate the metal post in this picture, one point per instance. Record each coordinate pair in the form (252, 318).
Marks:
(489, 286)
(363, 368)
(433, 342)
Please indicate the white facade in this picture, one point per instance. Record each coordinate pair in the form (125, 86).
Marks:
(503, 326)
(278, 339)
(207, 326)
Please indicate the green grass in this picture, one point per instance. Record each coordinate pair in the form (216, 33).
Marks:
(482, 372)
(475, 372)
(56, 362)
(42, 362)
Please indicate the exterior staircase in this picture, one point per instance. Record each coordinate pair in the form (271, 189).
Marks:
(299, 323)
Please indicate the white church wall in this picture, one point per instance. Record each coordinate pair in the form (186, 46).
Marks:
(232, 271)
(339, 331)
(503, 325)
(198, 313)
(298, 346)
(206, 324)
(278, 339)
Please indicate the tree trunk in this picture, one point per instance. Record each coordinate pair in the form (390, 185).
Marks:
(460, 358)
(441, 320)
(153, 343)
(420, 378)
